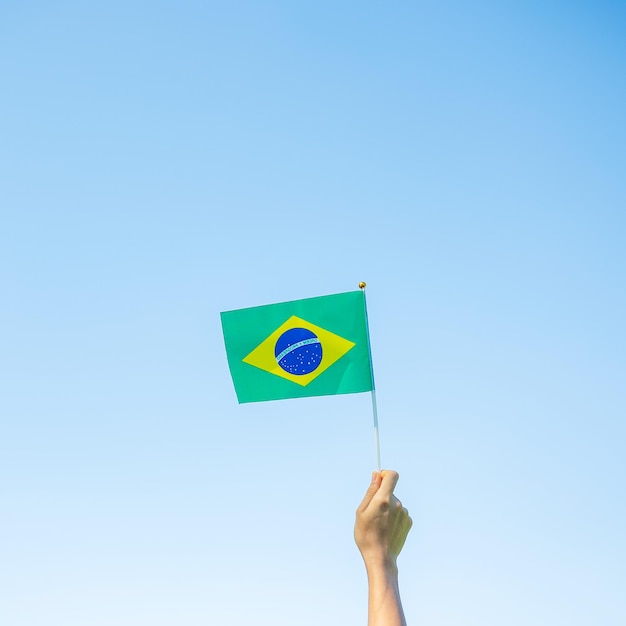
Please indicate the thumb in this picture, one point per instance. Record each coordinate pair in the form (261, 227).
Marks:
(371, 491)
(389, 479)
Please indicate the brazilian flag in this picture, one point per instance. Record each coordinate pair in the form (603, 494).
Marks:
(311, 347)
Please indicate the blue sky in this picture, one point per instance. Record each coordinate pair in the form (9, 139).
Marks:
(161, 162)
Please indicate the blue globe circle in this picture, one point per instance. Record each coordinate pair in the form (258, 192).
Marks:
(298, 351)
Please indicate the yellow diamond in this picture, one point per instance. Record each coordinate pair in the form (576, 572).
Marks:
(333, 348)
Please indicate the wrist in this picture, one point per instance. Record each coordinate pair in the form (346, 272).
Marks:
(381, 565)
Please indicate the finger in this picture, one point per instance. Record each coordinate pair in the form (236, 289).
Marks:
(371, 491)
(388, 484)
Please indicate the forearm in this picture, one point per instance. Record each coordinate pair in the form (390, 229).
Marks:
(384, 605)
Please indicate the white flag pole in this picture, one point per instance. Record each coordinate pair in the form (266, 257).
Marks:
(362, 286)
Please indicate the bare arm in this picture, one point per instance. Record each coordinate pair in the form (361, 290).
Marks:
(380, 531)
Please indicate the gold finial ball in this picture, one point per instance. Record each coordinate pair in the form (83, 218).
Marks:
(362, 285)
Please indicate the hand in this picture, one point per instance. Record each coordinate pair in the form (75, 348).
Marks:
(382, 524)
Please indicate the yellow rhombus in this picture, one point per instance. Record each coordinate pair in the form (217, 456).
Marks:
(333, 348)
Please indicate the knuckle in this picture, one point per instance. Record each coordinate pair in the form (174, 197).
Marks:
(383, 507)
(384, 502)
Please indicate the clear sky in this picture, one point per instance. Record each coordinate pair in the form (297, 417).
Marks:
(163, 161)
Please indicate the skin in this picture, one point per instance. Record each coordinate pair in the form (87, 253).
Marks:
(380, 530)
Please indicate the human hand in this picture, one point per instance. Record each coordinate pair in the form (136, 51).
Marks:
(382, 523)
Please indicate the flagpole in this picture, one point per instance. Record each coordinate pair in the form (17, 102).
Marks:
(362, 286)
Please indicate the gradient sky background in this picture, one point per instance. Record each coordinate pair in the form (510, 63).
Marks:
(163, 161)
